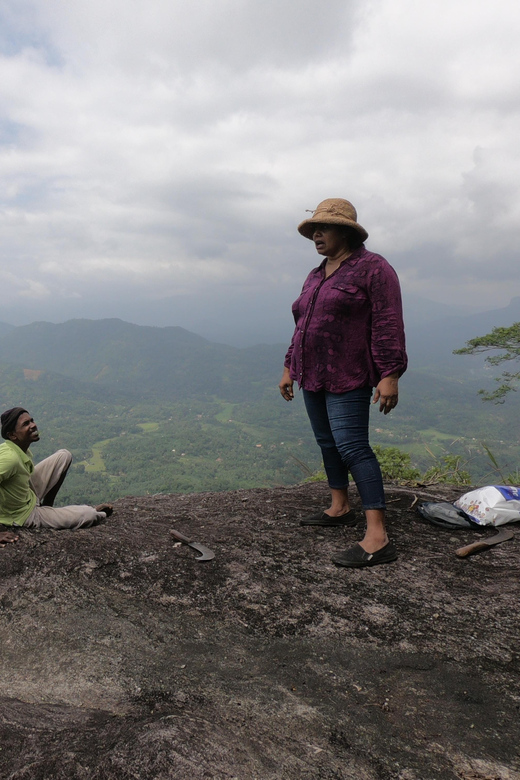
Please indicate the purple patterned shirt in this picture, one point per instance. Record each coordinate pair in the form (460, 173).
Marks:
(349, 327)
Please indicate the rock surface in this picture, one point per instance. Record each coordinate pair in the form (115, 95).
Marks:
(124, 658)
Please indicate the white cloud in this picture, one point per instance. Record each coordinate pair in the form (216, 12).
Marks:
(170, 149)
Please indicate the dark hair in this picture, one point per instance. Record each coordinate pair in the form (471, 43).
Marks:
(9, 419)
(354, 238)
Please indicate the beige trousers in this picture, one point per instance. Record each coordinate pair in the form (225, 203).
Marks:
(44, 477)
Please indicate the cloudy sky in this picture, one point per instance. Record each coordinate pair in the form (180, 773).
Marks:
(157, 155)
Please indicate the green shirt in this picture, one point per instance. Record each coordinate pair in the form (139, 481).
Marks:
(17, 499)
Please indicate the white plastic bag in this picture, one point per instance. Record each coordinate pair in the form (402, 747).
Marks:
(492, 505)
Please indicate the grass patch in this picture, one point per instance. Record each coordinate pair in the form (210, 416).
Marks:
(226, 412)
(96, 463)
(432, 434)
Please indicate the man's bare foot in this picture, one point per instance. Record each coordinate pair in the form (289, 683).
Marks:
(7, 537)
(106, 508)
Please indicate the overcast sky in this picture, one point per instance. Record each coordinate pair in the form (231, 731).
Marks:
(157, 155)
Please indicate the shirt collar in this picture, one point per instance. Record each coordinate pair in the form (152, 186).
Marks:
(351, 259)
(26, 457)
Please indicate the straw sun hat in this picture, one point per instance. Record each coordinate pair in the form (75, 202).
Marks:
(333, 211)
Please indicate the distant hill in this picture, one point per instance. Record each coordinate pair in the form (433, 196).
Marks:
(174, 363)
(431, 340)
(5, 328)
(22, 387)
(168, 363)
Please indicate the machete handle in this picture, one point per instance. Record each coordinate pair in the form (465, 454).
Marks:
(469, 549)
(180, 536)
(484, 544)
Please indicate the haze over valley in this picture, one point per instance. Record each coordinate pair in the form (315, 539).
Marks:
(149, 409)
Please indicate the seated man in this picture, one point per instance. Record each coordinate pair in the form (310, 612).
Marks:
(27, 492)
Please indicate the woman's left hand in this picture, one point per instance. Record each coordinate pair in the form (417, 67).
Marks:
(387, 393)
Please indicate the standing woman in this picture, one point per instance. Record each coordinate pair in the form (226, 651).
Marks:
(349, 338)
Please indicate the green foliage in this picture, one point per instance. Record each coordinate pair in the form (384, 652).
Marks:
(506, 383)
(507, 340)
(448, 470)
(307, 471)
(494, 462)
(317, 476)
(395, 464)
(150, 447)
(513, 478)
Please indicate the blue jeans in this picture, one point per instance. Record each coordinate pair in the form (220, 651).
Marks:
(340, 425)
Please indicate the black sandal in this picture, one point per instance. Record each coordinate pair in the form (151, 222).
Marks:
(323, 519)
(356, 557)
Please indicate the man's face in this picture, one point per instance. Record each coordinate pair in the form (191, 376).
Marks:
(25, 433)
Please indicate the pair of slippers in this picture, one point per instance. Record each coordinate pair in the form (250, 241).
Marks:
(355, 557)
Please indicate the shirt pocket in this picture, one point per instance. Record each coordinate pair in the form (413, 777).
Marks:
(348, 295)
(349, 290)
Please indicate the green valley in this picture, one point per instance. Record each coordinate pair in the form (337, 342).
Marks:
(180, 414)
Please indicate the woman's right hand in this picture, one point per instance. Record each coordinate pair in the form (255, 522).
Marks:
(286, 386)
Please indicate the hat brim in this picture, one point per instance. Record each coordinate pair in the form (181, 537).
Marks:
(306, 228)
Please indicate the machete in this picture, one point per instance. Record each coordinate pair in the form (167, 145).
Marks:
(483, 544)
(207, 554)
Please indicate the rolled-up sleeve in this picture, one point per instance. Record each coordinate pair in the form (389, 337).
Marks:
(388, 346)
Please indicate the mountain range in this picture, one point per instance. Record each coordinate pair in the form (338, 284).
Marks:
(168, 363)
(163, 409)
(87, 348)
(433, 332)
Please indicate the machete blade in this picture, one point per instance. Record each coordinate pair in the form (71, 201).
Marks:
(206, 553)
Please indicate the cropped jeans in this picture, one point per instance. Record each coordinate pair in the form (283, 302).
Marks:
(340, 425)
